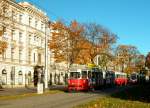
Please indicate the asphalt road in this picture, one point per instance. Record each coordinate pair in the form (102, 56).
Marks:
(59, 100)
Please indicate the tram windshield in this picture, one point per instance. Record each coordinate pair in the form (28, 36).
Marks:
(74, 75)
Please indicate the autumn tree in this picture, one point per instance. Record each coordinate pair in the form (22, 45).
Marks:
(139, 62)
(126, 56)
(91, 32)
(58, 39)
(106, 43)
(3, 42)
(65, 41)
(84, 55)
(101, 42)
(75, 38)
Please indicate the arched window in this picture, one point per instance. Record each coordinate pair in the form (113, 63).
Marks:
(29, 73)
(20, 77)
(20, 72)
(4, 71)
(4, 77)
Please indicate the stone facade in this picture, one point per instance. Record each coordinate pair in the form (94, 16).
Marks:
(24, 28)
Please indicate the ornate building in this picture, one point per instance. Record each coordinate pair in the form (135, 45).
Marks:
(23, 32)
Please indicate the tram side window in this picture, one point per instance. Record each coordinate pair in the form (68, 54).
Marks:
(123, 76)
(74, 75)
(89, 74)
(117, 76)
(94, 75)
(84, 74)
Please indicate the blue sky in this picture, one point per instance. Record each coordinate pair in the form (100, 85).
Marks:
(129, 19)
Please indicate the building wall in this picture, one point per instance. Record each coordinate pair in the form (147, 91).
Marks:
(25, 34)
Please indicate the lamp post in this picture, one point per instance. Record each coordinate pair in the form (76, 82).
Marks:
(46, 57)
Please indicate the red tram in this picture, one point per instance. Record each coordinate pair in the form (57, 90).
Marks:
(120, 78)
(85, 79)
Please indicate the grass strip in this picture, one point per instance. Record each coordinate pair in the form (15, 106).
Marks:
(136, 97)
(109, 102)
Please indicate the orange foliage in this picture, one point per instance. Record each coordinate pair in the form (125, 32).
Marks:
(1, 33)
(67, 43)
(3, 46)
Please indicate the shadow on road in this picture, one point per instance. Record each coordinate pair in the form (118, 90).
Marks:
(136, 93)
(131, 92)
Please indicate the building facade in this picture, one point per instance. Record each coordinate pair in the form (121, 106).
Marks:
(24, 28)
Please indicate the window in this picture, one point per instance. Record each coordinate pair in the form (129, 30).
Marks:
(13, 15)
(20, 55)
(42, 26)
(39, 58)
(13, 34)
(4, 30)
(34, 38)
(12, 54)
(20, 78)
(29, 39)
(20, 18)
(4, 71)
(36, 23)
(74, 74)
(89, 74)
(84, 74)
(20, 72)
(34, 57)
(20, 37)
(37, 39)
(29, 73)
(29, 56)
(4, 10)
(4, 77)
(30, 21)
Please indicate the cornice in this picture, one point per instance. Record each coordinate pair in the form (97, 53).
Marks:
(15, 4)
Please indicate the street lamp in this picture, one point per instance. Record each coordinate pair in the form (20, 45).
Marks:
(46, 55)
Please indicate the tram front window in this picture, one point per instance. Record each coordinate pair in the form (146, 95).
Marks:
(74, 75)
(84, 74)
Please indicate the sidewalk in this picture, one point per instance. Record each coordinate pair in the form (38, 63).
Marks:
(17, 91)
(25, 90)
